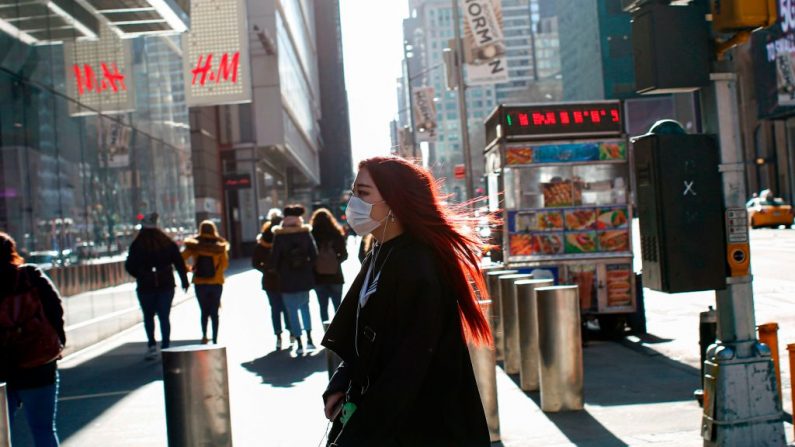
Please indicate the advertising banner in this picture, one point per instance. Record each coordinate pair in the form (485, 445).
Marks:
(424, 114)
(115, 139)
(99, 74)
(773, 51)
(216, 59)
(484, 43)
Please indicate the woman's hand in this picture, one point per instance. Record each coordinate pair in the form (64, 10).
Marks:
(333, 404)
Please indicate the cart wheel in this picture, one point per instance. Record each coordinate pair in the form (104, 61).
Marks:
(612, 326)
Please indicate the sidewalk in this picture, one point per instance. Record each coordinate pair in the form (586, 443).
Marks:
(111, 396)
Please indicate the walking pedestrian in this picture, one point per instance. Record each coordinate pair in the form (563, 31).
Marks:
(331, 253)
(208, 256)
(402, 329)
(30, 304)
(294, 254)
(151, 260)
(261, 260)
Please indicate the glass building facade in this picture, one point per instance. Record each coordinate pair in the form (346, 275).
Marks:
(77, 173)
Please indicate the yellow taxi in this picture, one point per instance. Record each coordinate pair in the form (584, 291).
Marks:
(769, 212)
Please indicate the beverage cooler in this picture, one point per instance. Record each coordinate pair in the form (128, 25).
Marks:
(559, 177)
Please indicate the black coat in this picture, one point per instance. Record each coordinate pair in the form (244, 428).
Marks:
(18, 378)
(411, 353)
(286, 239)
(261, 260)
(337, 242)
(153, 270)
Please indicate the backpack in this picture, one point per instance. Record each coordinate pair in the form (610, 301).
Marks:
(297, 257)
(327, 262)
(27, 338)
(204, 267)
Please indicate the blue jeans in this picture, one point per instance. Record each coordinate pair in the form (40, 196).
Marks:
(278, 311)
(209, 296)
(40, 405)
(324, 292)
(295, 302)
(157, 302)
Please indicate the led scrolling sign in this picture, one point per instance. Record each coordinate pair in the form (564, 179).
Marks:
(561, 120)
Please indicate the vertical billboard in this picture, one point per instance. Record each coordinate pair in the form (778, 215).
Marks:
(217, 69)
(424, 114)
(773, 52)
(99, 74)
(484, 43)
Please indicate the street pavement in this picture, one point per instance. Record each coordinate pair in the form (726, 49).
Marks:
(638, 392)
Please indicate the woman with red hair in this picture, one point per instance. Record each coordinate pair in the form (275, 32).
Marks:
(402, 329)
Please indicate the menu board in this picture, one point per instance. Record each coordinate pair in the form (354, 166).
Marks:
(573, 231)
(523, 154)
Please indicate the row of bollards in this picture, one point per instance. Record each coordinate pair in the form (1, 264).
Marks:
(536, 331)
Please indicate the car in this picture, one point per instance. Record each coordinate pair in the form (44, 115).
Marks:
(769, 212)
(43, 259)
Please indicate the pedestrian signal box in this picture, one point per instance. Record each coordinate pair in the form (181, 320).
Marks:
(680, 206)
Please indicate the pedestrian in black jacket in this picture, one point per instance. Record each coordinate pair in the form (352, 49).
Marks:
(402, 330)
(293, 255)
(261, 260)
(332, 252)
(151, 261)
(33, 385)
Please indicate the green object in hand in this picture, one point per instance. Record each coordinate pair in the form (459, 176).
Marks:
(347, 412)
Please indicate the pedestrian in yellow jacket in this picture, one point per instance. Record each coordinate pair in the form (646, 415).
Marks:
(207, 255)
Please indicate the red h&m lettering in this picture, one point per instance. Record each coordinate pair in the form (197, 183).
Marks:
(109, 78)
(227, 69)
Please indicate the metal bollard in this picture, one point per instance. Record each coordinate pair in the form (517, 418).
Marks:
(494, 312)
(332, 359)
(528, 331)
(791, 349)
(484, 365)
(5, 424)
(510, 321)
(768, 334)
(560, 348)
(196, 385)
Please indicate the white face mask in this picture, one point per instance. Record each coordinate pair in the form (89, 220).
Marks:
(358, 215)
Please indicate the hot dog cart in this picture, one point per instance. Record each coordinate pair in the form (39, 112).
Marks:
(559, 175)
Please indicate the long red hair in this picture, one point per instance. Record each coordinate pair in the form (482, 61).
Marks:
(413, 196)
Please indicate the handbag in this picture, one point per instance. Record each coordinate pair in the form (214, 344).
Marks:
(27, 338)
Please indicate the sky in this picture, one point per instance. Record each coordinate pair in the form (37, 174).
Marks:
(372, 40)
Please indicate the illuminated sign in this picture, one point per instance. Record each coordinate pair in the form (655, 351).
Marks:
(98, 73)
(216, 58)
(560, 120)
(237, 181)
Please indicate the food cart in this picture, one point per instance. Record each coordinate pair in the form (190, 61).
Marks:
(559, 174)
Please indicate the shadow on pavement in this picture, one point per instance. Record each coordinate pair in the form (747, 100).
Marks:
(281, 369)
(93, 387)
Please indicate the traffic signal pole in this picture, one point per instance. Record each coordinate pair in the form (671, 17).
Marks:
(741, 405)
(462, 101)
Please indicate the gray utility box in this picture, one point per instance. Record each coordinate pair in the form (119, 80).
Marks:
(680, 206)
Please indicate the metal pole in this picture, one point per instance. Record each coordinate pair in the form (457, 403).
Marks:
(528, 331)
(5, 424)
(495, 312)
(510, 321)
(484, 365)
(196, 385)
(411, 100)
(560, 348)
(462, 100)
(740, 403)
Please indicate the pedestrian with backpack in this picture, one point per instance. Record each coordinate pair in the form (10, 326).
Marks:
(261, 260)
(207, 254)
(331, 253)
(294, 254)
(31, 340)
(151, 260)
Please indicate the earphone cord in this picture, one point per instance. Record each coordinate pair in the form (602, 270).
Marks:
(325, 434)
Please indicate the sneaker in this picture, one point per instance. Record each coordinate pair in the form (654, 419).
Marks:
(205, 340)
(310, 346)
(300, 349)
(278, 343)
(151, 353)
(292, 339)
